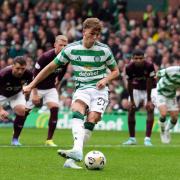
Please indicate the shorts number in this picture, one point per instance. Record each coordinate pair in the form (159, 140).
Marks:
(100, 101)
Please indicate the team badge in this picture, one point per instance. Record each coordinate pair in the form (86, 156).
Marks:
(97, 58)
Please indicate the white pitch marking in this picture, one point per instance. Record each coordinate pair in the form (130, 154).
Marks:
(96, 145)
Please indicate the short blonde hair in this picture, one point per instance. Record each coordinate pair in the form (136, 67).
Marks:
(92, 23)
(61, 37)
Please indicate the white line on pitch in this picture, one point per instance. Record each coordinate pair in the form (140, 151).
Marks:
(97, 145)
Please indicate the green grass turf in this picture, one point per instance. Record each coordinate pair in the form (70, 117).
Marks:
(34, 161)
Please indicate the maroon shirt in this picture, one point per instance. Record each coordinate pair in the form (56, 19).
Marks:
(43, 61)
(11, 85)
(139, 74)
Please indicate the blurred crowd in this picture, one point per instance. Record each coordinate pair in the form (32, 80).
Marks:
(29, 29)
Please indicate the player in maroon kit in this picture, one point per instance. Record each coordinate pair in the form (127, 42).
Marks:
(12, 78)
(46, 88)
(141, 86)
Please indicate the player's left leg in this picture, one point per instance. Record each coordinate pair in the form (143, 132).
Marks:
(18, 103)
(149, 125)
(92, 119)
(79, 109)
(150, 117)
(99, 102)
(163, 110)
(170, 125)
(18, 124)
(172, 108)
(51, 99)
(173, 121)
(53, 107)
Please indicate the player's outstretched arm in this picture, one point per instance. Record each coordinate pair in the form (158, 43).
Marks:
(44, 73)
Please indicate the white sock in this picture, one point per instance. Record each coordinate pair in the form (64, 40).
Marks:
(169, 126)
(78, 133)
(87, 135)
(147, 138)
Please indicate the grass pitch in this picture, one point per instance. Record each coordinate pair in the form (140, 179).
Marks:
(35, 161)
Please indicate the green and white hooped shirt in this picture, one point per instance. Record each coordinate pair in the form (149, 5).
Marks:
(89, 65)
(169, 81)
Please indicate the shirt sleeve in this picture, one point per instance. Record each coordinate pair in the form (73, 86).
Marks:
(111, 62)
(62, 72)
(161, 73)
(62, 58)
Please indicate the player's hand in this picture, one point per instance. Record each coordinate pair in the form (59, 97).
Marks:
(4, 115)
(27, 89)
(102, 83)
(131, 106)
(36, 99)
(149, 106)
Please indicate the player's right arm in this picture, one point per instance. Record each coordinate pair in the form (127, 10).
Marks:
(160, 73)
(61, 59)
(43, 74)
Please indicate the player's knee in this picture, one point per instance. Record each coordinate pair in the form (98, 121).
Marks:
(77, 115)
(163, 113)
(94, 117)
(20, 112)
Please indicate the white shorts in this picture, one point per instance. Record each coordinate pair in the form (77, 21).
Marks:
(48, 95)
(97, 100)
(17, 99)
(141, 95)
(171, 103)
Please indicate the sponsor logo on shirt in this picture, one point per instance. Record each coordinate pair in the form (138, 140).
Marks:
(88, 74)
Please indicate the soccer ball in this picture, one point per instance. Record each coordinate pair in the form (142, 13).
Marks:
(95, 160)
